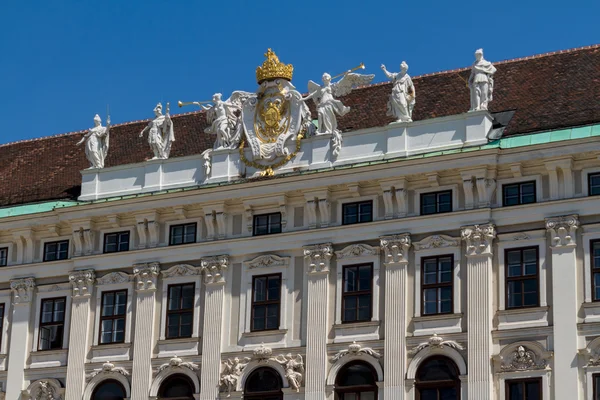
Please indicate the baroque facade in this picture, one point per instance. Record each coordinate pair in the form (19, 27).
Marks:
(445, 255)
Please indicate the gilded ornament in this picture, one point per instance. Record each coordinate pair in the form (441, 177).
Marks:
(272, 68)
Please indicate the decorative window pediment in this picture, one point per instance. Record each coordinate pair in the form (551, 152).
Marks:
(522, 357)
(114, 278)
(357, 250)
(436, 242)
(267, 261)
(180, 270)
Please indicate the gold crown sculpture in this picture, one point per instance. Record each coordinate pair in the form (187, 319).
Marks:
(272, 69)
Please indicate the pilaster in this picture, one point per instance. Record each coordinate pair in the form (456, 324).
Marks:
(83, 285)
(22, 291)
(479, 240)
(563, 243)
(317, 260)
(214, 269)
(396, 249)
(145, 275)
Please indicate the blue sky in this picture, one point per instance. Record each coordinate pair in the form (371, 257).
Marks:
(64, 61)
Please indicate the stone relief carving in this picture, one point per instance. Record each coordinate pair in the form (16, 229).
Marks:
(232, 370)
(177, 363)
(436, 242)
(107, 368)
(268, 260)
(207, 158)
(521, 236)
(355, 349)
(160, 133)
(522, 359)
(479, 238)
(329, 108)
(44, 389)
(395, 247)
(318, 257)
(357, 250)
(437, 342)
(145, 275)
(262, 353)
(481, 82)
(294, 369)
(83, 282)
(180, 270)
(113, 278)
(214, 268)
(96, 142)
(402, 99)
(22, 290)
(563, 230)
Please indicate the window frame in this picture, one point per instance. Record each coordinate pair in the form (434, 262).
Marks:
(4, 249)
(590, 175)
(357, 292)
(358, 204)
(2, 315)
(595, 389)
(170, 232)
(118, 233)
(356, 389)
(507, 383)
(268, 215)
(437, 285)
(57, 242)
(113, 317)
(180, 311)
(266, 302)
(519, 184)
(458, 383)
(53, 323)
(508, 279)
(593, 269)
(437, 193)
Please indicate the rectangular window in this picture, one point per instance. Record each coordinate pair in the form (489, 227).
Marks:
(112, 317)
(266, 302)
(266, 224)
(1, 323)
(518, 193)
(595, 263)
(180, 311)
(3, 256)
(522, 277)
(436, 284)
(596, 380)
(357, 293)
(435, 203)
(524, 389)
(594, 184)
(354, 213)
(56, 250)
(182, 234)
(52, 324)
(115, 242)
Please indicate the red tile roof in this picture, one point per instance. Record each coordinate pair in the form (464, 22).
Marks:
(547, 91)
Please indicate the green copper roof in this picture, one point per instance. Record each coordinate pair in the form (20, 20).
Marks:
(503, 143)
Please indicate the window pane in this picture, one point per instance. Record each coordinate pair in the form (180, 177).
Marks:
(445, 202)
(174, 297)
(56, 334)
(366, 211)
(260, 289)
(364, 279)
(108, 304)
(188, 297)
(594, 188)
(274, 288)
(47, 311)
(121, 303)
(514, 294)
(430, 271)
(350, 280)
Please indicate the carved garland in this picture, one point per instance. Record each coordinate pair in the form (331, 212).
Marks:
(267, 170)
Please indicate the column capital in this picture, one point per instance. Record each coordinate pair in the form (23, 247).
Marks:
(22, 290)
(479, 239)
(145, 275)
(395, 248)
(214, 269)
(318, 257)
(563, 230)
(83, 282)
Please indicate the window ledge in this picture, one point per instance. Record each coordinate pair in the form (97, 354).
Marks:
(591, 311)
(356, 331)
(48, 352)
(427, 325)
(179, 347)
(109, 346)
(48, 358)
(179, 340)
(522, 318)
(273, 332)
(111, 352)
(357, 324)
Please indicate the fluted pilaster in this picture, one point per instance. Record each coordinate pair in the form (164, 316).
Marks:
(479, 240)
(83, 285)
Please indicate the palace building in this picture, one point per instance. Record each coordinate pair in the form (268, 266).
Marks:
(426, 238)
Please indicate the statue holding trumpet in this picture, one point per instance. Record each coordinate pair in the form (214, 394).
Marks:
(328, 107)
(224, 118)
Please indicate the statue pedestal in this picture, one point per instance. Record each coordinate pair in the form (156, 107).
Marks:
(321, 151)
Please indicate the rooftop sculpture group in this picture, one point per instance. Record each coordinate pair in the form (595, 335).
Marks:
(274, 119)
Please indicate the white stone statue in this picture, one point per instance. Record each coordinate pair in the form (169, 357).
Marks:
(294, 368)
(96, 142)
(481, 82)
(328, 107)
(232, 369)
(160, 133)
(224, 119)
(402, 99)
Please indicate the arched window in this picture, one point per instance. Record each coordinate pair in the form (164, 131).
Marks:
(356, 381)
(437, 378)
(176, 387)
(263, 384)
(109, 390)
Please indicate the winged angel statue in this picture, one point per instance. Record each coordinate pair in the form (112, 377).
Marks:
(328, 107)
(232, 369)
(224, 119)
(294, 368)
